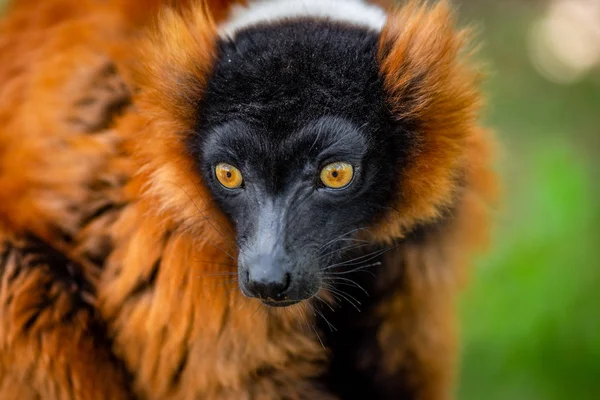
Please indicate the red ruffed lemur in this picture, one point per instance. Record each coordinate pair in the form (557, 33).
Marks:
(270, 199)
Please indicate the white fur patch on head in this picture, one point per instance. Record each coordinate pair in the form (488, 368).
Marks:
(355, 12)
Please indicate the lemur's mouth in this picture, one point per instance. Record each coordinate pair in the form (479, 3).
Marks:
(282, 303)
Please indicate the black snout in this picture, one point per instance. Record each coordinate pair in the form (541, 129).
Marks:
(271, 267)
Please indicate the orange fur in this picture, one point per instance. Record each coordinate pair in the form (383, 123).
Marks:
(429, 84)
(181, 331)
(47, 340)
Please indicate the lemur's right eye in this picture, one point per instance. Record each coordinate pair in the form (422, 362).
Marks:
(229, 176)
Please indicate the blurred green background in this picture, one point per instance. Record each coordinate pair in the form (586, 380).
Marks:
(531, 312)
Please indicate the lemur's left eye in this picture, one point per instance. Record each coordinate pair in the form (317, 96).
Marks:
(229, 176)
(337, 175)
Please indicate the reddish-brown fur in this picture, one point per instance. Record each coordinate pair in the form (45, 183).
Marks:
(156, 322)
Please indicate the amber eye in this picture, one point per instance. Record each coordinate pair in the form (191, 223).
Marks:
(229, 176)
(337, 175)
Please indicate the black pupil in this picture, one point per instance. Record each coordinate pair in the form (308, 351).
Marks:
(334, 174)
(229, 174)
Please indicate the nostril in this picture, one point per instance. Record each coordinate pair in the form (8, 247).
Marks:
(286, 283)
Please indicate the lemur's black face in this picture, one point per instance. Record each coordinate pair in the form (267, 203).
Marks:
(297, 144)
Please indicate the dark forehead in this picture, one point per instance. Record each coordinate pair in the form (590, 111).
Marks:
(281, 77)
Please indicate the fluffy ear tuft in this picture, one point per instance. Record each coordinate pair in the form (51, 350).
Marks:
(431, 89)
(175, 62)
